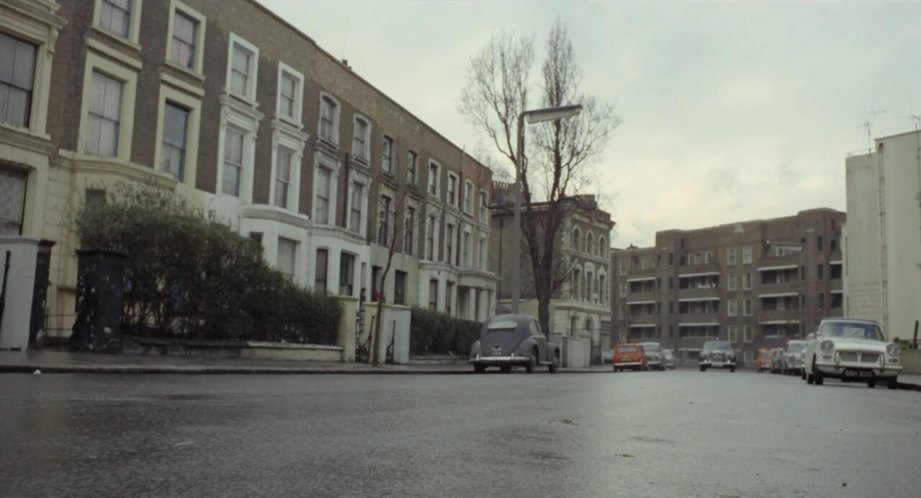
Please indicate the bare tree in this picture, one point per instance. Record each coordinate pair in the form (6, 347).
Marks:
(496, 92)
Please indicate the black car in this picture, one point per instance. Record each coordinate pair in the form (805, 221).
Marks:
(507, 341)
(717, 354)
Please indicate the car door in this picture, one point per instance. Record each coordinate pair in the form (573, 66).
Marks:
(538, 336)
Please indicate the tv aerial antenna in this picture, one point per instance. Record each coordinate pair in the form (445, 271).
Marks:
(868, 124)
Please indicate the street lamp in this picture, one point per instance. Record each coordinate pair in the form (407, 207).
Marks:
(532, 116)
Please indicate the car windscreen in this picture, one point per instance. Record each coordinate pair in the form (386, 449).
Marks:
(625, 349)
(650, 348)
(717, 346)
(794, 348)
(851, 330)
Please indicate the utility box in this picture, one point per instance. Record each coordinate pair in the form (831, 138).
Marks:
(17, 282)
(393, 344)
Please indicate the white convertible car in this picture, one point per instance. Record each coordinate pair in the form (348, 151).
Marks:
(853, 351)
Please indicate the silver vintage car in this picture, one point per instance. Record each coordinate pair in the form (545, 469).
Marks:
(514, 340)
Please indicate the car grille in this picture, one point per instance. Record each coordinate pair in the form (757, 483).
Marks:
(716, 356)
(858, 357)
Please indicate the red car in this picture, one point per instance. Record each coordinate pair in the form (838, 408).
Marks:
(765, 359)
(629, 356)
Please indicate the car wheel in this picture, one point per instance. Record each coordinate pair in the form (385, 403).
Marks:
(732, 369)
(506, 369)
(818, 378)
(802, 374)
(703, 368)
(532, 362)
(554, 364)
(892, 383)
(479, 369)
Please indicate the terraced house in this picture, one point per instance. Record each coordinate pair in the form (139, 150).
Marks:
(226, 104)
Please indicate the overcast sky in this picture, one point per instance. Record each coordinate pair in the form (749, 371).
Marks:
(731, 111)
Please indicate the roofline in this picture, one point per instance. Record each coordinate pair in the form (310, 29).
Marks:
(363, 80)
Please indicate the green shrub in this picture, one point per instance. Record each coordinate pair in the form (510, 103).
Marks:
(434, 332)
(196, 278)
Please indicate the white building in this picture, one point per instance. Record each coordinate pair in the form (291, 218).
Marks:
(882, 250)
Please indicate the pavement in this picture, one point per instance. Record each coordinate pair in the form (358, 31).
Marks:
(50, 361)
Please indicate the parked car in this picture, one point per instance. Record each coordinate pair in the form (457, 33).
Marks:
(508, 341)
(717, 354)
(765, 359)
(777, 360)
(629, 356)
(854, 351)
(653, 353)
(668, 358)
(793, 357)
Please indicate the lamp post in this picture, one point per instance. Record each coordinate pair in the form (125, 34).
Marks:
(532, 116)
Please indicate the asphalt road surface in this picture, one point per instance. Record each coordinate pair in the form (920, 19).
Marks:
(676, 433)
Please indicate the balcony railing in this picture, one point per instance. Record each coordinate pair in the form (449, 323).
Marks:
(779, 316)
(779, 288)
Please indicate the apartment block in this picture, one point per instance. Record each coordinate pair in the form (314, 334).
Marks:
(755, 283)
(580, 314)
(883, 235)
(228, 105)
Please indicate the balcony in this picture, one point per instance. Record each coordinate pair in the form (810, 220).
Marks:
(639, 275)
(640, 320)
(640, 296)
(713, 291)
(685, 319)
(779, 289)
(779, 316)
(771, 263)
(699, 270)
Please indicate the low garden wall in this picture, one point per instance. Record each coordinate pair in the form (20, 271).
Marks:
(232, 349)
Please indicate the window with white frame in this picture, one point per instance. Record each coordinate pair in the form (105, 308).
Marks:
(17, 69)
(466, 249)
(356, 204)
(602, 247)
(322, 193)
(12, 199)
(449, 243)
(116, 16)
(387, 155)
(590, 246)
(104, 115)
(431, 227)
(287, 256)
(290, 84)
(322, 268)
(174, 140)
(731, 256)
(484, 207)
(481, 253)
(383, 221)
(732, 282)
(233, 161)
(412, 160)
(747, 308)
(747, 333)
(746, 255)
(186, 37)
(361, 138)
(409, 230)
(434, 171)
(346, 274)
(746, 281)
(468, 197)
(732, 308)
(733, 334)
(242, 70)
(452, 189)
(602, 289)
(284, 160)
(329, 120)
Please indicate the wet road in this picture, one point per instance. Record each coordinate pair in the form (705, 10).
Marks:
(678, 433)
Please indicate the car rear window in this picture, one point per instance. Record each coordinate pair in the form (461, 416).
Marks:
(626, 349)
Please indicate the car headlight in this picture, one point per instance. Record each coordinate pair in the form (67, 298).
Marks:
(893, 349)
(827, 346)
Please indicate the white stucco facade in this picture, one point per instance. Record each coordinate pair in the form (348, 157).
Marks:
(882, 247)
